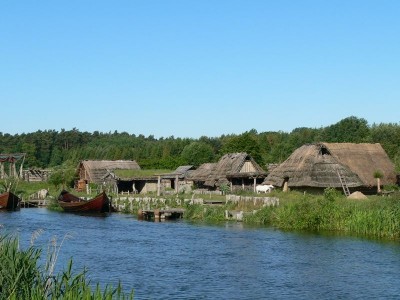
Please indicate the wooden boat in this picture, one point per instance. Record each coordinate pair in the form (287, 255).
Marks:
(9, 201)
(71, 203)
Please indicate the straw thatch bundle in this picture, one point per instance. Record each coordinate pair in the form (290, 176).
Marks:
(357, 195)
(317, 165)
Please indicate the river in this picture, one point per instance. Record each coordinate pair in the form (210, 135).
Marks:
(183, 260)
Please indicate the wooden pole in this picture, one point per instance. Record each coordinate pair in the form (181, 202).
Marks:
(159, 185)
(254, 184)
(176, 184)
(156, 215)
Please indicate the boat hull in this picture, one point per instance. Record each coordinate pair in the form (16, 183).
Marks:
(9, 201)
(70, 203)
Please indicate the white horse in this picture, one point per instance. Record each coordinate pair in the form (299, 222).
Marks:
(264, 188)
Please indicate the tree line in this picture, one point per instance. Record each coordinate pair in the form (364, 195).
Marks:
(52, 149)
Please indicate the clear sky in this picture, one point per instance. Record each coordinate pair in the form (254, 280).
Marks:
(189, 68)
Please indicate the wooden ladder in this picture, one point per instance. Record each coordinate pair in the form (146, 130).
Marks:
(343, 183)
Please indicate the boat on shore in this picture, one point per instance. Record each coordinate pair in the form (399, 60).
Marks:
(9, 201)
(71, 203)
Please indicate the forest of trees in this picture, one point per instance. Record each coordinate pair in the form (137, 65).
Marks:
(52, 149)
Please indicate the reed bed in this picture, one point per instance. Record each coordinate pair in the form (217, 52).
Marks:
(376, 217)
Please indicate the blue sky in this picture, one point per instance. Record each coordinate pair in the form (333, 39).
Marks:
(191, 68)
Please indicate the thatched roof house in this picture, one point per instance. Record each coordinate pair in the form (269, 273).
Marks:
(97, 171)
(317, 166)
(234, 169)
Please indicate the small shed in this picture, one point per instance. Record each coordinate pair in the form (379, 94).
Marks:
(36, 175)
(178, 178)
(101, 171)
(320, 165)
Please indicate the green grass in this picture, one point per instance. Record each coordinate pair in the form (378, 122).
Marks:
(376, 216)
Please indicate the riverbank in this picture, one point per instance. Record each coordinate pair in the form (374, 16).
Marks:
(375, 216)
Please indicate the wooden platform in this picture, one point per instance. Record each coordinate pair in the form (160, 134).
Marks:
(160, 214)
(34, 203)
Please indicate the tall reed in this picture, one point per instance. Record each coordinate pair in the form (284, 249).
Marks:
(377, 217)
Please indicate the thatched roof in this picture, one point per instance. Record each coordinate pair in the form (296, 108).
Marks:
(232, 165)
(97, 170)
(316, 165)
(181, 172)
(202, 172)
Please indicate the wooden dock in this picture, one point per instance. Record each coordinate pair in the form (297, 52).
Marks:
(160, 214)
(34, 203)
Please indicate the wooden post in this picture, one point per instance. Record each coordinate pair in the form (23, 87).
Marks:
(159, 185)
(176, 183)
(254, 184)
(285, 186)
(140, 214)
(157, 215)
(242, 184)
(378, 183)
(14, 170)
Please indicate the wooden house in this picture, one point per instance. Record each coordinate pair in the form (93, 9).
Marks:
(36, 175)
(238, 171)
(101, 171)
(178, 179)
(322, 165)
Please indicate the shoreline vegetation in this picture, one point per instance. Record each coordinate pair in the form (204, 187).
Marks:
(374, 217)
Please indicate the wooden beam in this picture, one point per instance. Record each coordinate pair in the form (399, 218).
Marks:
(158, 185)
(176, 183)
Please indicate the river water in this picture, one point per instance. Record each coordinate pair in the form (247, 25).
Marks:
(182, 260)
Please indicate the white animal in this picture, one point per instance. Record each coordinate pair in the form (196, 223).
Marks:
(265, 188)
(43, 193)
